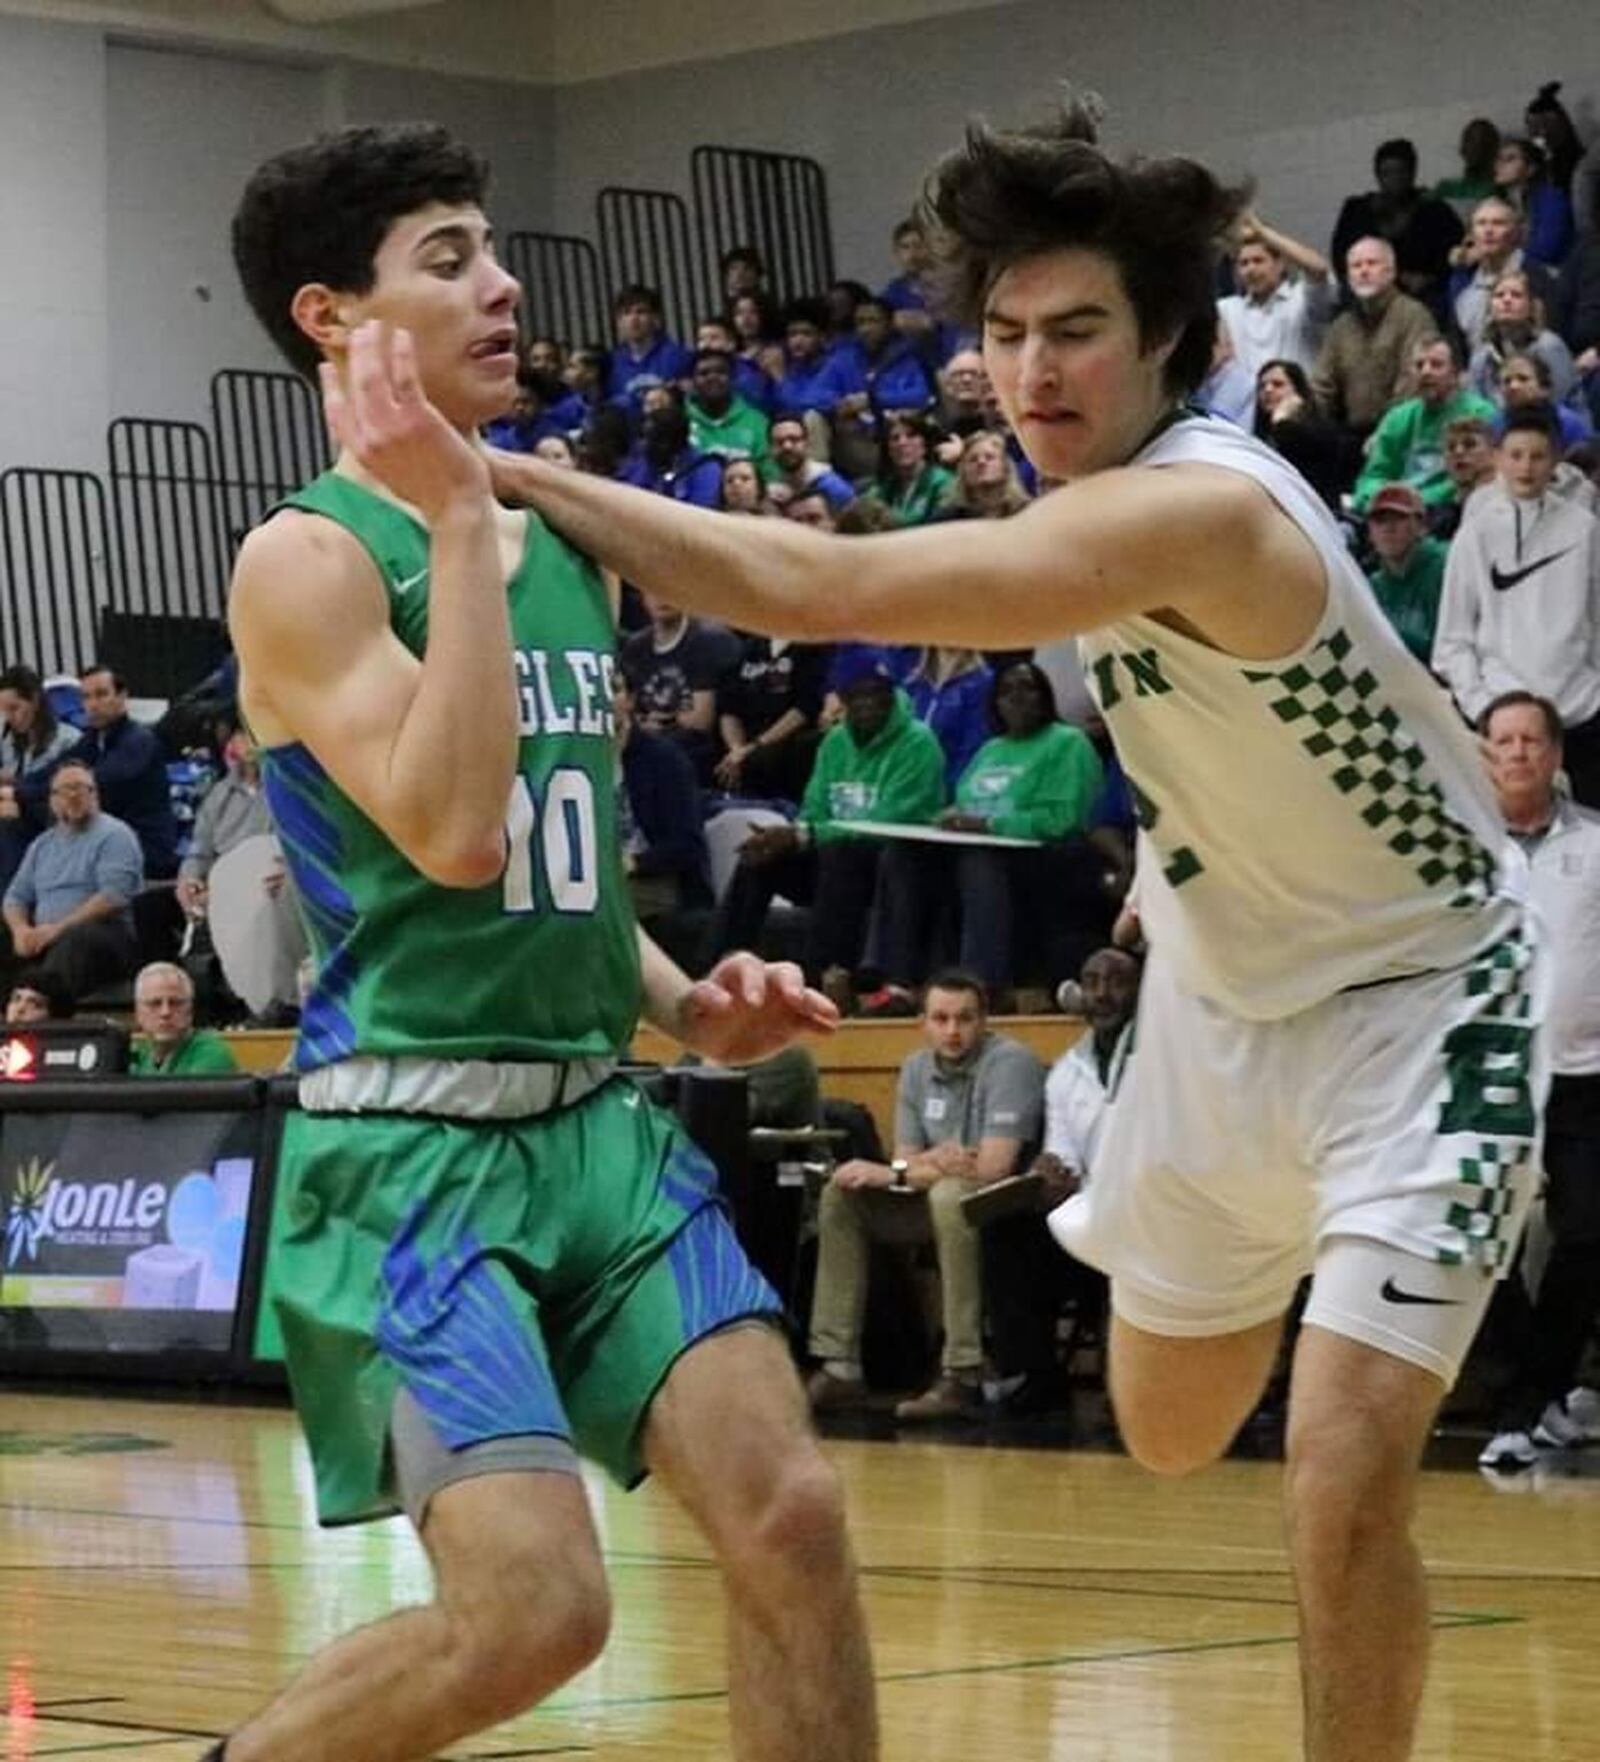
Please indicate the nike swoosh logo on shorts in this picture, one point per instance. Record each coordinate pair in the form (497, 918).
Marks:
(411, 581)
(1391, 1293)
(1506, 578)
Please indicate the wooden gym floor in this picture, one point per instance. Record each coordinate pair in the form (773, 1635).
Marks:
(161, 1573)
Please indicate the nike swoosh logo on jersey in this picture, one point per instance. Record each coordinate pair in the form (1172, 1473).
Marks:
(1507, 578)
(411, 581)
(1391, 1293)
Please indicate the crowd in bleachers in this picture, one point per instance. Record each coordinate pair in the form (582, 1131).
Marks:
(882, 813)
(1435, 375)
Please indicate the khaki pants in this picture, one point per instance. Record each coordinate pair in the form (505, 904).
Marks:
(851, 1219)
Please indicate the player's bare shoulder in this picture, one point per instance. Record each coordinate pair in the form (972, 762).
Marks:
(303, 591)
(1247, 577)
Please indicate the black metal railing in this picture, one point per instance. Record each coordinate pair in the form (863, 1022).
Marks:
(776, 202)
(270, 439)
(55, 548)
(162, 626)
(646, 237)
(562, 292)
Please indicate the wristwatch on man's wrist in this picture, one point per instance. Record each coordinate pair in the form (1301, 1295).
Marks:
(901, 1170)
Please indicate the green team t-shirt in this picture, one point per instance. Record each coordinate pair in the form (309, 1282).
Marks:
(204, 1053)
(543, 963)
(1042, 786)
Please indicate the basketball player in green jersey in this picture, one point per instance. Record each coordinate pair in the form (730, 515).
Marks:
(494, 1254)
(1337, 1068)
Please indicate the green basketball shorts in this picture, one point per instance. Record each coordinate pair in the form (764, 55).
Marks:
(530, 1277)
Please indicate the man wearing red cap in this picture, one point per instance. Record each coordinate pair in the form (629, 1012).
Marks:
(1409, 576)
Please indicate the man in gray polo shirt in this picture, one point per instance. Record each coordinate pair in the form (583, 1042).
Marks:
(968, 1111)
(67, 907)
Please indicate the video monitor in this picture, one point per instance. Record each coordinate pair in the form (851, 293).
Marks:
(124, 1231)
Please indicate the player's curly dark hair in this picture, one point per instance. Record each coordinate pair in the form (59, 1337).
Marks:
(1005, 196)
(319, 212)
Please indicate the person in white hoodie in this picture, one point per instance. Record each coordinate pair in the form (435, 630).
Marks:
(1521, 604)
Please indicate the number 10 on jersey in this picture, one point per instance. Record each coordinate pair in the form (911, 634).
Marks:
(555, 836)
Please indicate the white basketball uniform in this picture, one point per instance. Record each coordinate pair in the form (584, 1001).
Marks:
(1335, 1067)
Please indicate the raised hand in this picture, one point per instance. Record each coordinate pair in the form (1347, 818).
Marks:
(745, 1010)
(379, 413)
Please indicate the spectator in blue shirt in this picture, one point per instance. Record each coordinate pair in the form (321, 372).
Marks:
(585, 374)
(743, 272)
(905, 294)
(544, 407)
(795, 472)
(843, 300)
(665, 461)
(1546, 208)
(751, 381)
(68, 906)
(810, 379)
(949, 690)
(758, 331)
(130, 769)
(879, 373)
(545, 354)
(645, 355)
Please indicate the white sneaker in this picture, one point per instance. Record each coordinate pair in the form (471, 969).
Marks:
(1508, 1450)
(1583, 1409)
(1570, 1423)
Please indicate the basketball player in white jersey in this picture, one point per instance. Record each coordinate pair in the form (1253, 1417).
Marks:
(1336, 1066)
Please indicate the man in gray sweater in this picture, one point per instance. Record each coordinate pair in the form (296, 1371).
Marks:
(68, 907)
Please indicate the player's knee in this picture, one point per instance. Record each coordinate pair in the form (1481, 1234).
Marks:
(796, 1529)
(1166, 1450)
(1348, 1488)
(1168, 1438)
(536, 1632)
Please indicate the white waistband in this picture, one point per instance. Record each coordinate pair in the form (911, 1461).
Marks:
(465, 1089)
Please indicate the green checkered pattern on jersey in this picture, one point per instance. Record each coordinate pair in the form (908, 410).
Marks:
(1491, 1177)
(1491, 1101)
(1367, 755)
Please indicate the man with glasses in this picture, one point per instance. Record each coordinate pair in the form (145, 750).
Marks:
(68, 908)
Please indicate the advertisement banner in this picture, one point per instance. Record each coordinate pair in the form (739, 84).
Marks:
(132, 1224)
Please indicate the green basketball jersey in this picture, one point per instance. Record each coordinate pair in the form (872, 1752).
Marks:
(544, 962)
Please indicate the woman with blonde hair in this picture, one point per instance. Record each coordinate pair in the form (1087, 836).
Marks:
(987, 483)
(1518, 326)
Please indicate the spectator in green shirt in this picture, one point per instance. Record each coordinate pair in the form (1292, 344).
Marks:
(1024, 914)
(1409, 576)
(163, 1010)
(720, 421)
(879, 764)
(1408, 444)
(909, 480)
(1480, 143)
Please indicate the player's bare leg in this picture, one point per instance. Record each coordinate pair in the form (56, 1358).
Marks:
(1358, 1421)
(731, 1436)
(1179, 1401)
(521, 1607)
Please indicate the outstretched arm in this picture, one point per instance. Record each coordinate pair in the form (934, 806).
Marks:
(426, 749)
(1191, 538)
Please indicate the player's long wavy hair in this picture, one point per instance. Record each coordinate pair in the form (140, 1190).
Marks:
(1005, 196)
(319, 212)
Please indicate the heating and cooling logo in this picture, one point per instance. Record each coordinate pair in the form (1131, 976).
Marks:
(27, 1222)
(125, 1213)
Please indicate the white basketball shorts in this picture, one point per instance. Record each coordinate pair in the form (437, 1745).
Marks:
(1384, 1141)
